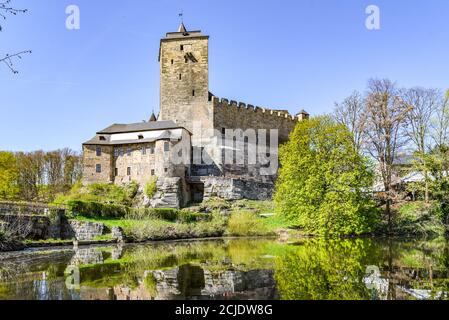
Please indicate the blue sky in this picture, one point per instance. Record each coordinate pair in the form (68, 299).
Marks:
(277, 54)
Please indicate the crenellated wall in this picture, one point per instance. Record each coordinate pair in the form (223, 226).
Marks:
(231, 114)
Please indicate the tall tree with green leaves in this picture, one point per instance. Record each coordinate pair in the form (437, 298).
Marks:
(323, 181)
(8, 176)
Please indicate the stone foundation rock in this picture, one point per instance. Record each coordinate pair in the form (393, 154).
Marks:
(169, 193)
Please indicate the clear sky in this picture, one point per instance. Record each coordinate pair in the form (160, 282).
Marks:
(277, 54)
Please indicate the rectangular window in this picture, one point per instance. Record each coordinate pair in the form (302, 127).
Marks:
(172, 61)
(129, 152)
(102, 138)
(144, 151)
(98, 151)
(180, 76)
(166, 170)
(128, 171)
(116, 152)
(152, 172)
(140, 137)
(182, 47)
(166, 146)
(120, 151)
(152, 150)
(116, 172)
(98, 168)
(193, 93)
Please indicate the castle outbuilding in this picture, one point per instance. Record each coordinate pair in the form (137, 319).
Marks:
(199, 146)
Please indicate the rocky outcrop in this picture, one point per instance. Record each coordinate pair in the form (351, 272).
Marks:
(237, 189)
(169, 193)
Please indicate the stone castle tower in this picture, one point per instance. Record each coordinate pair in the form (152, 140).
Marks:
(184, 78)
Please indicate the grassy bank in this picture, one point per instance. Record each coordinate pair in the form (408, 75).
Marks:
(414, 219)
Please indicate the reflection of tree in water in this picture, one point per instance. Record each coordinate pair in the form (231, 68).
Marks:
(322, 270)
(337, 269)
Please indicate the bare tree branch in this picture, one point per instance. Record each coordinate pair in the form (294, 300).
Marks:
(8, 60)
(5, 10)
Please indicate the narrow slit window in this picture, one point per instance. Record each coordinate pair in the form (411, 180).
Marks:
(182, 47)
(193, 93)
(144, 151)
(116, 172)
(128, 171)
(172, 61)
(180, 76)
(152, 172)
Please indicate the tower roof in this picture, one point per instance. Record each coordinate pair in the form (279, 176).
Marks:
(153, 117)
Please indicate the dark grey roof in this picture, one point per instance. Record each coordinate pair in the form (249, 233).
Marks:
(186, 35)
(141, 126)
(96, 141)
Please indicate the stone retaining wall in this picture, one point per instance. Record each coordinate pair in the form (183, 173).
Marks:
(38, 227)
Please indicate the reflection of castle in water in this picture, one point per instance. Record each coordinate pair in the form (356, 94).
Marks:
(394, 284)
(192, 281)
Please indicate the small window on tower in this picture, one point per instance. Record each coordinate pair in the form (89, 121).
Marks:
(182, 47)
(180, 76)
(140, 136)
(193, 93)
(98, 168)
(102, 138)
(172, 61)
(152, 172)
(116, 172)
(167, 146)
(98, 151)
(128, 171)
(186, 60)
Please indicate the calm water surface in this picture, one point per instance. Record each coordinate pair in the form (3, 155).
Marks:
(232, 269)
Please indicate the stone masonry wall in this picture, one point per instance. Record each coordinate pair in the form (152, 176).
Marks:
(90, 160)
(184, 86)
(139, 158)
(238, 115)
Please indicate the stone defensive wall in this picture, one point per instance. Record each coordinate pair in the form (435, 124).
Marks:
(231, 114)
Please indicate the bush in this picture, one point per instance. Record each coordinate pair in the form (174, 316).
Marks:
(246, 223)
(92, 209)
(100, 192)
(151, 188)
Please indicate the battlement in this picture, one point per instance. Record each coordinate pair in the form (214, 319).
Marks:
(226, 103)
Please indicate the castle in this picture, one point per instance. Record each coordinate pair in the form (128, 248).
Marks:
(199, 146)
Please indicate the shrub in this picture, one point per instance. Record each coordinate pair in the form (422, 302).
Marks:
(102, 193)
(91, 209)
(246, 223)
(151, 188)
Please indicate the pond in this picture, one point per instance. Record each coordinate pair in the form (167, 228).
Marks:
(231, 269)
